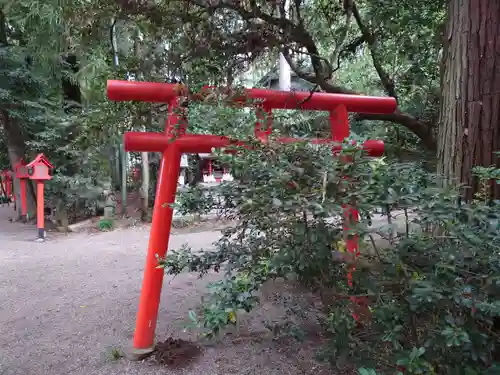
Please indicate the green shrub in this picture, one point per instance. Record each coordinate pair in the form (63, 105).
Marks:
(432, 291)
(106, 224)
(194, 200)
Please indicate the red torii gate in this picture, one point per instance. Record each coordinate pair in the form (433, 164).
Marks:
(174, 142)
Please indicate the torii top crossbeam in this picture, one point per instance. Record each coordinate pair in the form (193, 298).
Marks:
(273, 99)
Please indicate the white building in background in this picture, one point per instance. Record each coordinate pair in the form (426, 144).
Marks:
(213, 172)
(184, 166)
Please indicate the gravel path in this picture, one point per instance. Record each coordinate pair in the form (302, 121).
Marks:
(65, 303)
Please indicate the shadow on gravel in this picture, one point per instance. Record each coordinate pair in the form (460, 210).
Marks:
(176, 353)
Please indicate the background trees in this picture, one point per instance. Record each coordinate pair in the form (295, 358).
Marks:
(438, 58)
(402, 49)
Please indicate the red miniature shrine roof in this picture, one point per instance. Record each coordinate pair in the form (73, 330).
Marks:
(40, 158)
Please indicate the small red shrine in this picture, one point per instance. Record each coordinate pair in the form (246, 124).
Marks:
(39, 171)
(39, 168)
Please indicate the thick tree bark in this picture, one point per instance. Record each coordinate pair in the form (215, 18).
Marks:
(469, 132)
(144, 190)
(194, 170)
(72, 103)
(14, 140)
(145, 186)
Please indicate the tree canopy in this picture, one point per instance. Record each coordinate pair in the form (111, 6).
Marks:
(57, 55)
(55, 59)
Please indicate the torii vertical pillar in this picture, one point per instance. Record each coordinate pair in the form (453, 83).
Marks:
(39, 171)
(166, 189)
(339, 122)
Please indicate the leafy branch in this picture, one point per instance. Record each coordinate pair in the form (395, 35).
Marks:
(264, 31)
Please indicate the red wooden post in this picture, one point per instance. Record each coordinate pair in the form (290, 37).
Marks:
(39, 171)
(209, 167)
(166, 188)
(173, 145)
(24, 208)
(6, 180)
(339, 122)
(158, 245)
(40, 209)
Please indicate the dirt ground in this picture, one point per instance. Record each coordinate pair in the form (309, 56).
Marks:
(68, 304)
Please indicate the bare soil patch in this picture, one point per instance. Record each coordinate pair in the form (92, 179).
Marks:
(176, 353)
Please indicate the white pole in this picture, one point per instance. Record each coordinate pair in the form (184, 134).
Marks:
(284, 69)
(115, 44)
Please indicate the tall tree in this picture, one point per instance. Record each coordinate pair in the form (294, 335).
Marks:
(469, 134)
(17, 104)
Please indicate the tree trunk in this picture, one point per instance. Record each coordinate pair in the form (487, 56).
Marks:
(15, 150)
(15, 142)
(116, 168)
(195, 172)
(469, 131)
(145, 186)
(144, 191)
(123, 174)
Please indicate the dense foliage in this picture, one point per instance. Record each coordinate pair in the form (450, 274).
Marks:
(56, 62)
(428, 284)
